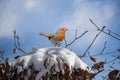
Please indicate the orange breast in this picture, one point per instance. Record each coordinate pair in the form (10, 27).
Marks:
(62, 36)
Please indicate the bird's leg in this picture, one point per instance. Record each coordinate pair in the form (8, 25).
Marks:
(58, 44)
(55, 44)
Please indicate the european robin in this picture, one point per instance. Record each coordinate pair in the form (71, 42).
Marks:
(56, 37)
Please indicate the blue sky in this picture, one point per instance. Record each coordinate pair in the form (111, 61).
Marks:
(30, 17)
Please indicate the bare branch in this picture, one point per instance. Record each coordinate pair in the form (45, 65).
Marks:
(104, 77)
(98, 72)
(114, 35)
(94, 24)
(114, 51)
(17, 42)
(76, 33)
(68, 44)
(92, 42)
(103, 48)
(111, 60)
(105, 53)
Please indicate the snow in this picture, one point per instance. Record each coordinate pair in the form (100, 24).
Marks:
(44, 58)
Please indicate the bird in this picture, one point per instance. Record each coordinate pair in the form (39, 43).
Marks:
(57, 37)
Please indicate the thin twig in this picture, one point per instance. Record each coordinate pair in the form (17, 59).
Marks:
(101, 53)
(108, 33)
(92, 42)
(105, 53)
(68, 44)
(103, 48)
(113, 33)
(116, 58)
(76, 33)
(98, 72)
(105, 77)
(17, 42)
(111, 60)
(94, 24)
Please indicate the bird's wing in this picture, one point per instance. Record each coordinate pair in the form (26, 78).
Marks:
(47, 35)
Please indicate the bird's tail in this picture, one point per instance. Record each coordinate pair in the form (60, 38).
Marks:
(44, 34)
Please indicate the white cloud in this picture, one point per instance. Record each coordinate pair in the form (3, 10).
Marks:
(13, 11)
(84, 9)
(8, 20)
(108, 11)
(100, 12)
(29, 4)
(8, 24)
(36, 5)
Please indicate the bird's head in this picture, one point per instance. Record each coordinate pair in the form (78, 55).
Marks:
(63, 29)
